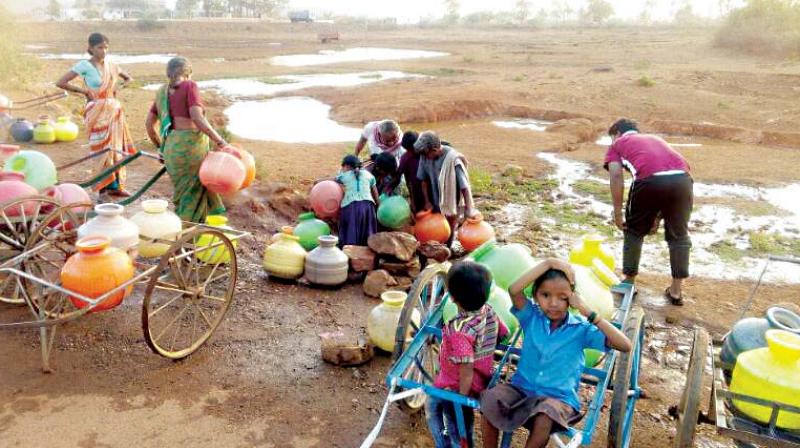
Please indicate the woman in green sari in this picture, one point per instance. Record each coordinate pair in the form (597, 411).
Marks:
(183, 136)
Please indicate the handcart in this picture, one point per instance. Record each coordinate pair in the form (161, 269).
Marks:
(416, 363)
(187, 291)
(745, 432)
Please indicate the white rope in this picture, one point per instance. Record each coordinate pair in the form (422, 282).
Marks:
(391, 398)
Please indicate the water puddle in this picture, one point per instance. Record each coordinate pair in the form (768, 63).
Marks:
(302, 120)
(606, 141)
(243, 88)
(711, 224)
(523, 123)
(116, 58)
(353, 55)
(511, 219)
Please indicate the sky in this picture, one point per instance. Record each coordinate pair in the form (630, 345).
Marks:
(413, 10)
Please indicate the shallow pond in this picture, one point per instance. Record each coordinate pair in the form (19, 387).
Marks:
(288, 120)
(353, 55)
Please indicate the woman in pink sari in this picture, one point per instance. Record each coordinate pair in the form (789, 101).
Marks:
(103, 114)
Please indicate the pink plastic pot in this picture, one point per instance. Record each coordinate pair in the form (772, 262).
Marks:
(222, 173)
(326, 199)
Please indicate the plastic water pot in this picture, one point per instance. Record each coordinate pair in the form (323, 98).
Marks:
(326, 198)
(431, 226)
(13, 187)
(394, 212)
(155, 221)
(309, 229)
(750, 334)
(500, 302)
(21, 130)
(588, 249)
(475, 232)
(44, 132)
(327, 264)
(383, 319)
(216, 253)
(66, 130)
(111, 222)
(96, 269)
(285, 258)
(773, 374)
(222, 173)
(39, 170)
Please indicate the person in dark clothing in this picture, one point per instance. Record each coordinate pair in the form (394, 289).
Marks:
(386, 175)
(662, 187)
(409, 164)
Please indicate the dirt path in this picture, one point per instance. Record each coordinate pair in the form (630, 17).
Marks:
(260, 381)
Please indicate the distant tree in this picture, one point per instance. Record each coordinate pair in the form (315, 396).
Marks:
(597, 11)
(647, 11)
(452, 11)
(214, 8)
(725, 7)
(561, 11)
(54, 9)
(186, 8)
(685, 15)
(522, 10)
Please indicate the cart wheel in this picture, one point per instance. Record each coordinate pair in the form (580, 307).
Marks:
(426, 294)
(18, 221)
(49, 247)
(689, 407)
(187, 298)
(626, 382)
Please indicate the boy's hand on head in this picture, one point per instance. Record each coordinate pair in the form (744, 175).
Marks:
(575, 301)
(563, 266)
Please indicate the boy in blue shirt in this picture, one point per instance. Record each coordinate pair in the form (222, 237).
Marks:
(543, 394)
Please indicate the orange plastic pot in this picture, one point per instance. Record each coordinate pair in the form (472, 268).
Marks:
(431, 227)
(95, 270)
(222, 172)
(248, 161)
(326, 199)
(475, 232)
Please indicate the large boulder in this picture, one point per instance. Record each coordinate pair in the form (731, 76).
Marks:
(378, 282)
(362, 258)
(400, 245)
(435, 251)
(397, 267)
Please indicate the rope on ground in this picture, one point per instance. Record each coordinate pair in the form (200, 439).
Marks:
(373, 435)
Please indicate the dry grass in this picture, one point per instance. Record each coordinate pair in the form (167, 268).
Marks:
(15, 67)
(763, 27)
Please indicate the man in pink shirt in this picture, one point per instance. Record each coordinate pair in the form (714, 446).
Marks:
(662, 187)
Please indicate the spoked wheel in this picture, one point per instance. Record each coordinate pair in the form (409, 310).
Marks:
(689, 407)
(49, 247)
(189, 294)
(427, 292)
(626, 382)
(18, 221)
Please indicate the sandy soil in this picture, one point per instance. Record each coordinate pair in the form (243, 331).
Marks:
(260, 381)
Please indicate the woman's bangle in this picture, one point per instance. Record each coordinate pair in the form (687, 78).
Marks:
(592, 317)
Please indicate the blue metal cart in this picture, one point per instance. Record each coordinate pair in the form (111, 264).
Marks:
(416, 363)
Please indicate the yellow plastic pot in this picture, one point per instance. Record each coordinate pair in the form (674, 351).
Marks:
(285, 258)
(771, 373)
(218, 254)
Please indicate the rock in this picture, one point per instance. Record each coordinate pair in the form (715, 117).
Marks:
(362, 258)
(603, 69)
(396, 267)
(339, 350)
(356, 277)
(435, 251)
(512, 171)
(400, 245)
(378, 282)
(403, 283)
(581, 128)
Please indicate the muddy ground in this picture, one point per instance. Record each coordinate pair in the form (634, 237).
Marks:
(260, 381)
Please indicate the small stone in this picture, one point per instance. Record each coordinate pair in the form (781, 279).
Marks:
(672, 319)
(362, 258)
(403, 283)
(400, 245)
(339, 350)
(435, 251)
(378, 282)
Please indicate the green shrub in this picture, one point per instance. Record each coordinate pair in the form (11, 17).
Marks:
(645, 81)
(149, 24)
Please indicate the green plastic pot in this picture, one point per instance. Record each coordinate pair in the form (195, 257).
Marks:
(394, 212)
(309, 228)
(39, 170)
